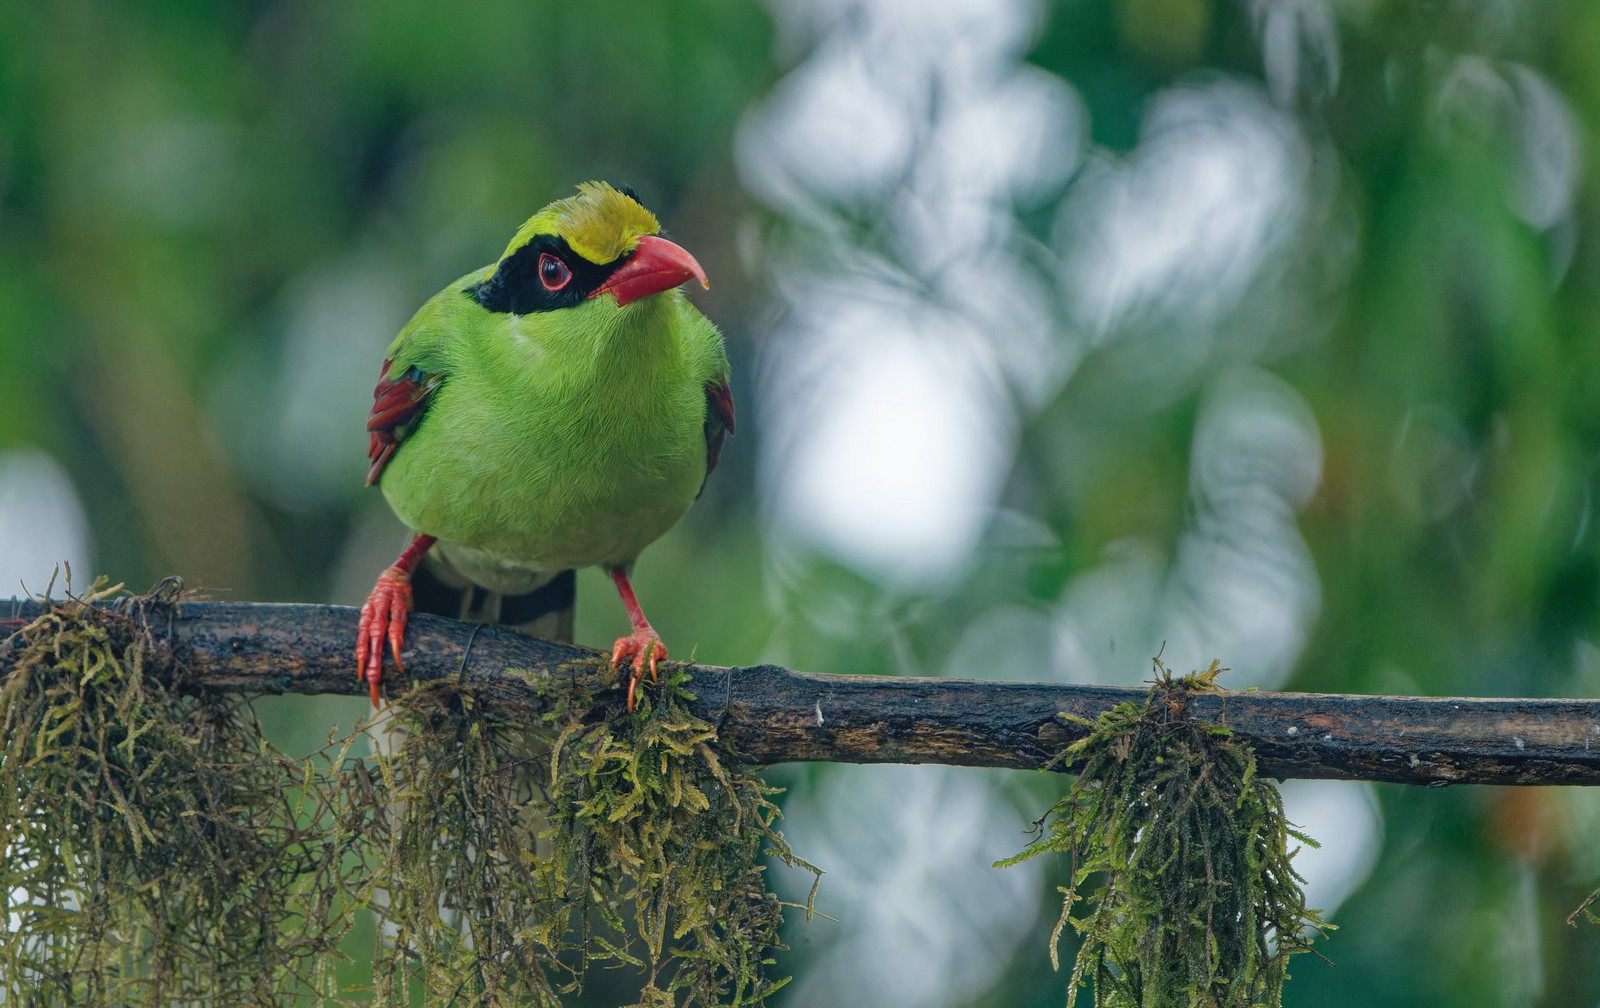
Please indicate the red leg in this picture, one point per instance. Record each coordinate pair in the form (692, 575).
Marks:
(385, 614)
(641, 649)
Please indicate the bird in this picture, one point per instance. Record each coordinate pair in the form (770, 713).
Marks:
(559, 408)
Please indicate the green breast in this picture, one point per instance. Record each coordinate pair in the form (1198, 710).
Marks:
(562, 442)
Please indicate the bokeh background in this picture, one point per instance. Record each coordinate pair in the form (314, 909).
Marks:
(1267, 329)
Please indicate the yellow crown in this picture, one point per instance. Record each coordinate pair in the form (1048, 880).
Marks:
(600, 223)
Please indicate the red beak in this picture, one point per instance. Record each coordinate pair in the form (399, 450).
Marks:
(656, 265)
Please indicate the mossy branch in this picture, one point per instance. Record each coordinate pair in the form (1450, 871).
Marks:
(769, 714)
(161, 851)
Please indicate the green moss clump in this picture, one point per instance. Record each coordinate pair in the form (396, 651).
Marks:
(1198, 903)
(671, 842)
(560, 842)
(156, 851)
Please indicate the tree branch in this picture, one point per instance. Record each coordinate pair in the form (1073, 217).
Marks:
(769, 714)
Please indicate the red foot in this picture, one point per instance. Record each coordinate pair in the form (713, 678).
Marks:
(384, 616)
(640, 651)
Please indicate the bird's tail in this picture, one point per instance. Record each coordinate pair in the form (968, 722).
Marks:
(545, 611)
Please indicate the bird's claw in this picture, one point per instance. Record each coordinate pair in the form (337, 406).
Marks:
(640, 651)
(383, 618)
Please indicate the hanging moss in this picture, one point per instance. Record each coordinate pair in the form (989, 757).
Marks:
(566, 841)
(1197, 903)
(158, 851)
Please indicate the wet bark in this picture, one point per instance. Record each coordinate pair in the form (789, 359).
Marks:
(768, 714)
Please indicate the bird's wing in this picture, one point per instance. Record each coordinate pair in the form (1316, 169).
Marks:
(719, 420)
(398, 402)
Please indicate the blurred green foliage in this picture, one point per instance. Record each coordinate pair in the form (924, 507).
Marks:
(214, 218)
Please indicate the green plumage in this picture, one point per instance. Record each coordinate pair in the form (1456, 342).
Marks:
(563, 438)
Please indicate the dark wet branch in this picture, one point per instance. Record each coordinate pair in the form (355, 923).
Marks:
(770, 714)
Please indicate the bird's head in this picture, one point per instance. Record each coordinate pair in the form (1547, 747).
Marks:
(601, 242)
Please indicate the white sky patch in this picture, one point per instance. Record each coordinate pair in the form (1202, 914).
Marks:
(1004, 643)
(1551, 152)
(902, 845)
(1104, 631)
(337, 319)
(888, 448)
(1182, 225)
(42, 523)
(1299, 47)
(1241, 586)
(827, 131)
(1343, 817)
(987, 154)
(1484, 101)
(1244, 588)
(888, 393)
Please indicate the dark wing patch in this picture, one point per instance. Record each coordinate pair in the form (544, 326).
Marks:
(397, 405)
(719, 421)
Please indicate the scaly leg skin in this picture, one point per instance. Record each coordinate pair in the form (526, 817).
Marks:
(641, 649)
(384, 616)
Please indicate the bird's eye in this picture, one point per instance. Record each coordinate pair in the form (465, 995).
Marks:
(553, 273)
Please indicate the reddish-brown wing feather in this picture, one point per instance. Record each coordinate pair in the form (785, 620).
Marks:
(396, 407)
(719, 421)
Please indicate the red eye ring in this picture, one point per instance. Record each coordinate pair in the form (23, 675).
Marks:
(553, 273)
